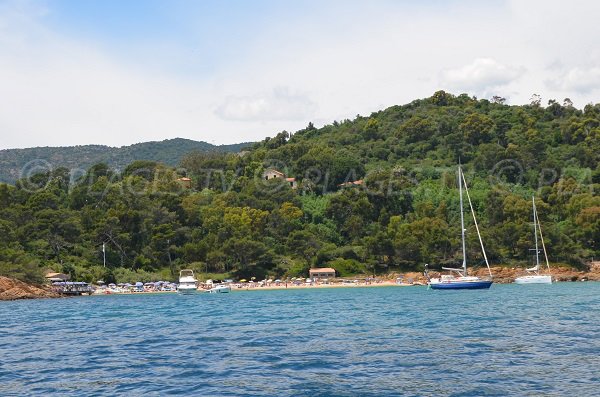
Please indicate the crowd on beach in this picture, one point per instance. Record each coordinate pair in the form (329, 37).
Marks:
(294, 282)
(138, 287)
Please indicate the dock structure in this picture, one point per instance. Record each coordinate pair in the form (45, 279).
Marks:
(72, 288)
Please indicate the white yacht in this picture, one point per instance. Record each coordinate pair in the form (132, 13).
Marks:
(187, 282)
(533, 274)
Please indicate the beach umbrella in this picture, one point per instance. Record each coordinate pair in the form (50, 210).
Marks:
(243, 280)
(278, 281)
(139, 284)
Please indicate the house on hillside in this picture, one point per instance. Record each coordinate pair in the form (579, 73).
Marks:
(272, 173)
(185, 182)
(321, 273)
(360, 182)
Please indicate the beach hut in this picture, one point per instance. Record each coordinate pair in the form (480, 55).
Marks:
(57, 277)
(322, 273)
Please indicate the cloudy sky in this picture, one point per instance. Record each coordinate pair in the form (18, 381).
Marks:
(119, 72)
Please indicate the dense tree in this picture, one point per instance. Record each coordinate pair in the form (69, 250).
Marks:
(374, 193)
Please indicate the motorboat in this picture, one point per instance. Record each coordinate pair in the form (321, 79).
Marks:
(533, 275)
(187, 282)
(220, 289)
(459, 279)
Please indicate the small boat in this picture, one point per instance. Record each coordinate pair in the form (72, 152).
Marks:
(459, 279)
(220, 289)
(534, 276)
(187, 282)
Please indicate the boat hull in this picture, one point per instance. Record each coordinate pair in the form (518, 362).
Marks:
(187, 291)
(534, 280)
(220, 290)
(483, 284)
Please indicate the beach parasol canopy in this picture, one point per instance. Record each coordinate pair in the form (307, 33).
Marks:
(243, 280)
(139, 284)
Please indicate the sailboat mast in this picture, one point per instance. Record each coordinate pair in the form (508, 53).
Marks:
(537, 252)
(487, 263)
(462, 222)
(539, 225)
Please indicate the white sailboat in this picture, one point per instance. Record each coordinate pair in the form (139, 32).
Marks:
(534, 276)
(187, 282)
(459, 279)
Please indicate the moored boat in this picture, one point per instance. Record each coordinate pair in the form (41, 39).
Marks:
(220, 289)
(459, 279)
(187, 282)
(534, 276)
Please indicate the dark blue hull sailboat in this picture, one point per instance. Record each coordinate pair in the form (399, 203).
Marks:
(458, 284)
(461, 280)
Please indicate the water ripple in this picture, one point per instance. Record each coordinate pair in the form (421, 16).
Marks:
(510, 340)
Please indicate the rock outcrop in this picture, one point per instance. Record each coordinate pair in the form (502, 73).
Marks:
(506, 275)
(561, 273)
(11, 289)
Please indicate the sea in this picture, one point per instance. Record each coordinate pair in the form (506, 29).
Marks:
(510, 340)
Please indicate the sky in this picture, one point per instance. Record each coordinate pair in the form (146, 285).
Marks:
(122, 72)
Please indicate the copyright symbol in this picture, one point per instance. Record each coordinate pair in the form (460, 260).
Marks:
(509, 170)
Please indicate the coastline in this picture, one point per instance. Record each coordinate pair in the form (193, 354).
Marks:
(12, 289)
(323, 286)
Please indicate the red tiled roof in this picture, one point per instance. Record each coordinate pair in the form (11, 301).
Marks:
(322, 270)
(351, 183)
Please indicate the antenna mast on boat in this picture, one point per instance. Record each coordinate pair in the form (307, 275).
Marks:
(462, 221)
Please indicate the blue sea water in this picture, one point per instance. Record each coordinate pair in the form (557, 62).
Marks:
(392, 341)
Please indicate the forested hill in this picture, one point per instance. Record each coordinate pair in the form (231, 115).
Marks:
(15, 163)
(374, 194)
(443, 129)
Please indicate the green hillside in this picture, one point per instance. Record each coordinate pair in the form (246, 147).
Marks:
(16, 163)
(402, 215)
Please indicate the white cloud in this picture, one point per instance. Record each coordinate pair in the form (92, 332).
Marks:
(481, 75)
(280, 104)
(336, 60)
(576, 80)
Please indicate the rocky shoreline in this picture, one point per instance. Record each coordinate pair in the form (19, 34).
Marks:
(507, 275)
(12, 289)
